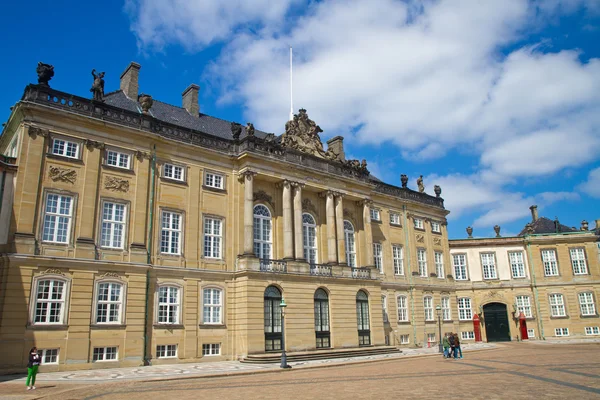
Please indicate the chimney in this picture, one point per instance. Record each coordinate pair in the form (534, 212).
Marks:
(336, 144)
(534, 213)
(189, 99)
(129, 80)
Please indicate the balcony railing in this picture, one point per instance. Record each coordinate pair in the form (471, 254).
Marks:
(361, 273)
(278, 266)
(321, 270)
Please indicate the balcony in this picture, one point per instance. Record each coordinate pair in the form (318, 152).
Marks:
(321, 270)
(361, 273)
(278, 266)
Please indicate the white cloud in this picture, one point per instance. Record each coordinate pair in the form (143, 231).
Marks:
(592, 185)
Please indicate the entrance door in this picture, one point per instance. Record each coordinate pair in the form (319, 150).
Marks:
(496, 322)
(362, 316)
(272, 319)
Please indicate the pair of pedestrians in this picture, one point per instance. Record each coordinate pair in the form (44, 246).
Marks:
(451, 345)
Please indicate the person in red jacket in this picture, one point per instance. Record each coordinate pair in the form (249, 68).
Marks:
(32, 367)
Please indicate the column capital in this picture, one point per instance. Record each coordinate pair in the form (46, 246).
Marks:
(365, 202)
(297, 185)
(246, 175)
(331, 193)
(286, 183)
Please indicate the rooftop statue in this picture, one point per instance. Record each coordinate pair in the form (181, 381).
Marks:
(302, 133)
(420, 184)
(250, 129)
(45, 72)
(145, 102)
(236, 130)
(98, 86)
(404, 180)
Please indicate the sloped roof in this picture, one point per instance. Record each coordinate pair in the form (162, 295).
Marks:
(545, 225)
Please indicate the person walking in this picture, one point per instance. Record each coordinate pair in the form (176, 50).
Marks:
(457, 349)
(32, 367)
(451, 342)
(446, 346)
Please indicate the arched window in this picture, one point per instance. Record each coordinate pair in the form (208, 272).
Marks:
(362, 318)
(350, 248)
(309, 234)
(262, 232)
(322, 319)
(272, 319)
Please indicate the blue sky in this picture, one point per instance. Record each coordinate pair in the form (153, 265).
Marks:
(498, 102)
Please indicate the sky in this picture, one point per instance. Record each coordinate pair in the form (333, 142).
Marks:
(498, 102)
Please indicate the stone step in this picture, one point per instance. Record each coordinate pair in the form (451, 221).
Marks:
(272, 358)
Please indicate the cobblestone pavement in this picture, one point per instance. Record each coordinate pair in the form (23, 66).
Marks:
(513, 371)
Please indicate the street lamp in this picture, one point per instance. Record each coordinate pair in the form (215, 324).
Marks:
(438, 310)
(284, 363)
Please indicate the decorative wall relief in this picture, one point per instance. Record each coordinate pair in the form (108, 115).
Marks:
(261, 195)
(53, 271)
(116, 184)
(34, 132)
(437, 241)
(420, 238)
(307, 205)
(92, 144)
(348, 214)
(62, 174)
(110, 274)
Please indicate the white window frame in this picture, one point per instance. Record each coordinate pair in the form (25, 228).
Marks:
(578, 261)
(58, 218)
(592, 330)
(557, 305)
(174, 172)
(460, 268)
(109, 227)
(428, 308)
(402, 306)
(488, 265)
(531, 333)
(211, 349)
(465, 311)
(375, 214)
(523, 303)
(378, 257)
(517, 264)
(418, 223)
(446, 309)
(309, 238)
(115, 159)
(395, 219)
(262, 232)
(587, 306)
(431, 338)
(468, 335)
(436, 227)
(212, 306)
(62, 301)
(398, 259)
(49, 353)
(165, 308)
(560, 332)
(166, 351)
(214, 180)
(103, 352)
(213, 237)
(550, 262)
(110, 303)
(66, 148)
(422, 261)
(438, 257)
(171, 232)
(405, 339)
(350, 242)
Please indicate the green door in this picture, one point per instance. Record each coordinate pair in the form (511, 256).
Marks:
(495, 317)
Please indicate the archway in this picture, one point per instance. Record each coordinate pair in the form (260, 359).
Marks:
(496, 321)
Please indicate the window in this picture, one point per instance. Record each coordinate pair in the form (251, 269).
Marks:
(395, 219)
(557, 305)
(321, 304)
(272, 312)
(167, 351)
(109, 303)
(170, 234)
(586, 304)
(350, 249)
(375, 216)
(49, 356)
(578, 261)
(212, 237)
(113, 225)
(384, 308)
(117, 159)
(174, 172)
(470, 335)
(262, 232)
(309, 236)
(439, 264)
(168, 305)
(517, 265)
(212, 306)
(213, 180)
(488, 264)
(49, 302)
(561, 332)
(418, 223)
(531, 333)
(430, 338)
(422, 261)
(435, 227)
(58, 215)
(464, 309)
(446, 310)
(362, 319)
(377, 257)
(65, 148)
(402, 309)
(11, 150)
(428, 308)
(211, 349)
(592, 330)
(105, 354)
(524, 306)
(549, 260)
(404, 339)
(398, 257)
(460, 267)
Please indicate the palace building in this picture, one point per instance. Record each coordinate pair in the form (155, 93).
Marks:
(134, 232)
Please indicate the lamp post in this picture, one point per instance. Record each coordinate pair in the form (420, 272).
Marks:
(284, 363)
(438, 310)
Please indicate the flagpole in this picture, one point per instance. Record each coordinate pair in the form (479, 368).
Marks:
(291, 89)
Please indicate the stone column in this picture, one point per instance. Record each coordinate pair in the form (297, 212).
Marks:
(330, 214)
(339, 224)
(248, 178)
(288, 233)
(366, 204)
(298, 237)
